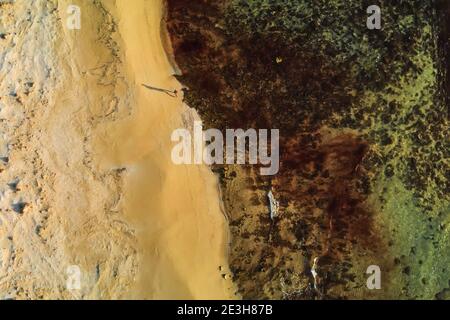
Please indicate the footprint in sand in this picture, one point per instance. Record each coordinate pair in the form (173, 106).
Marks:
(19, 206)
(13, 185)
(5, 253)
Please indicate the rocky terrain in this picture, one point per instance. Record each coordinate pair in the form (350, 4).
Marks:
(363, 119)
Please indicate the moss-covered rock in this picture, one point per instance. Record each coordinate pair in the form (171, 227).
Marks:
(364, 176)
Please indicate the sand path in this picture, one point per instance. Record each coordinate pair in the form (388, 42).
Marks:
(181, 229)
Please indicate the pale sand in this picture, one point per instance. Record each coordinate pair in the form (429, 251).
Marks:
(90, 148)
(50, 103)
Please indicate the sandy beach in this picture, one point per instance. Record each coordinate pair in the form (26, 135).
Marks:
(86, 176)
(180, 226)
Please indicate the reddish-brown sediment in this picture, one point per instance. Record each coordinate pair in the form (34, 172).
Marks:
(323, 183)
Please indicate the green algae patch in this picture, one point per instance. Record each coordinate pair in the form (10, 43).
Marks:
(419, 244)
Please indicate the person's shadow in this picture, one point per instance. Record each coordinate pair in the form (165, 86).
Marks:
(172, 93)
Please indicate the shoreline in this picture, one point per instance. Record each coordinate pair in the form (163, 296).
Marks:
(166, 42)
(168, 48)
(170, 54)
